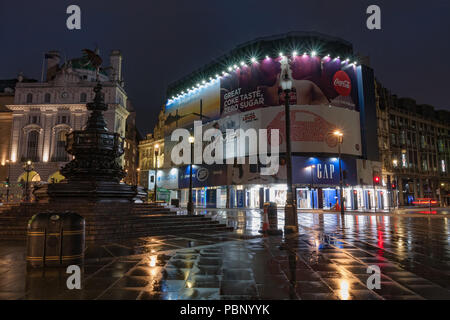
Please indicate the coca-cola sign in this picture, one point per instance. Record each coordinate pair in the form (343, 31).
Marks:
(342, 83)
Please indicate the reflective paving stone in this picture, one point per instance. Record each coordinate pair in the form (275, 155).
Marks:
(328, 259)
(237, 274)
(200, 294)
(181, 263)
(131, 282)
(203, 281)
(123, 294)
(244, 288)
(312, 287)
(172, 285)
(274, 292)
(171, 273)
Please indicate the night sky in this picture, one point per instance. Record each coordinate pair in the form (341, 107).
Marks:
(162, 41)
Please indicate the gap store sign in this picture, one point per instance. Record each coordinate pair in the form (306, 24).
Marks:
(322, 171)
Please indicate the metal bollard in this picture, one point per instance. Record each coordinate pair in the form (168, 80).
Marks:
(273, 219)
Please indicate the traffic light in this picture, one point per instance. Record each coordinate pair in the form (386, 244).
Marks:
(376, 179)
(394, 185)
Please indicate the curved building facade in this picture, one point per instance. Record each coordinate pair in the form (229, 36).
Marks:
(241, 92)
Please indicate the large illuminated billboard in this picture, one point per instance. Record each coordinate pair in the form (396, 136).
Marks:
(315, 81)
(324, 98)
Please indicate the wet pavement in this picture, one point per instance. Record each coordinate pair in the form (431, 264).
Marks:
(328, 259)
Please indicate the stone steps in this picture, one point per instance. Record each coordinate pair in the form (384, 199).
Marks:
(108, 222)
(17, 233)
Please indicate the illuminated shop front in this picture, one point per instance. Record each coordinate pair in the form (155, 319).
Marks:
(254, 196)
(205, 197)
(316, 182)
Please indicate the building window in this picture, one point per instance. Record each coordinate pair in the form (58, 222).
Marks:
(83, 97)
(424, 165)
(392, 121)
(47, 98)
(60, 152)
(393, 139)
(404, 162)
(402, 138)
(29, 98)
(64, 119)
(441, 147)
(33, 119)
(32, 146)
(422, 141)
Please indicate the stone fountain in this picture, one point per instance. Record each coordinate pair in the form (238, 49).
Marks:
(94, 173)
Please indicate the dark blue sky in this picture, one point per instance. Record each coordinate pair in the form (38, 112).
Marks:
(165, 39)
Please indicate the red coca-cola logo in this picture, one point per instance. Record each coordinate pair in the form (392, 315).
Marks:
(342, 83)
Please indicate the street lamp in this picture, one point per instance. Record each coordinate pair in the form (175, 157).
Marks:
(290, 210)
(190, 205)
(7, 181)
(312, 192)
(394, 192)
(340, 137)
(28, 167)
(138, 170)
(156, 167)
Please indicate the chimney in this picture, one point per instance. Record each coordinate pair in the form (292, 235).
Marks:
(53, 59)
(115, 60)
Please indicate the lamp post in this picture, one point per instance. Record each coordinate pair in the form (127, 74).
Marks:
(394, 191)
(156, 168)
(190, 205)
(138, 171)
(7, 181)
(312, 192)
(340, 137)
(290, 210)
(28, 167)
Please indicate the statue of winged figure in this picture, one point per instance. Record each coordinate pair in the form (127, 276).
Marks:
(94, 59)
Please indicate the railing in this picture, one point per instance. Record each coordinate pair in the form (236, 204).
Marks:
(64, 158)
(32, 159)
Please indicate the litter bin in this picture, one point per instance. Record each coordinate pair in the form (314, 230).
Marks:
(175, 202)
(273, 218)
(55, 239)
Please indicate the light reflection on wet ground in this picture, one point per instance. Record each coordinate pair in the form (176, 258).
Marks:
(327, 260)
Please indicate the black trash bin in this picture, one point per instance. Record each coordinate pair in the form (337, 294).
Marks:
(273, 218)
(175, 202)
(55, 239)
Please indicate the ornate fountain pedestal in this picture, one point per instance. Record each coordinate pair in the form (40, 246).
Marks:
(94, 174)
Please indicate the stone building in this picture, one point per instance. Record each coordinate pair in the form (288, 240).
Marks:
(151, 154)
(131, 155)
(6, 98)
(414, 143)
(8, 188)
(44, 112)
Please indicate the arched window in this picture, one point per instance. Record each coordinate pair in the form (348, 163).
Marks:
(47, 98)
(32, 146)
(29, 98)
(83, 97)
(60, 152)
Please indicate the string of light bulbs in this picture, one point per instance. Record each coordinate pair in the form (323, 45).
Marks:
(253, 60)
